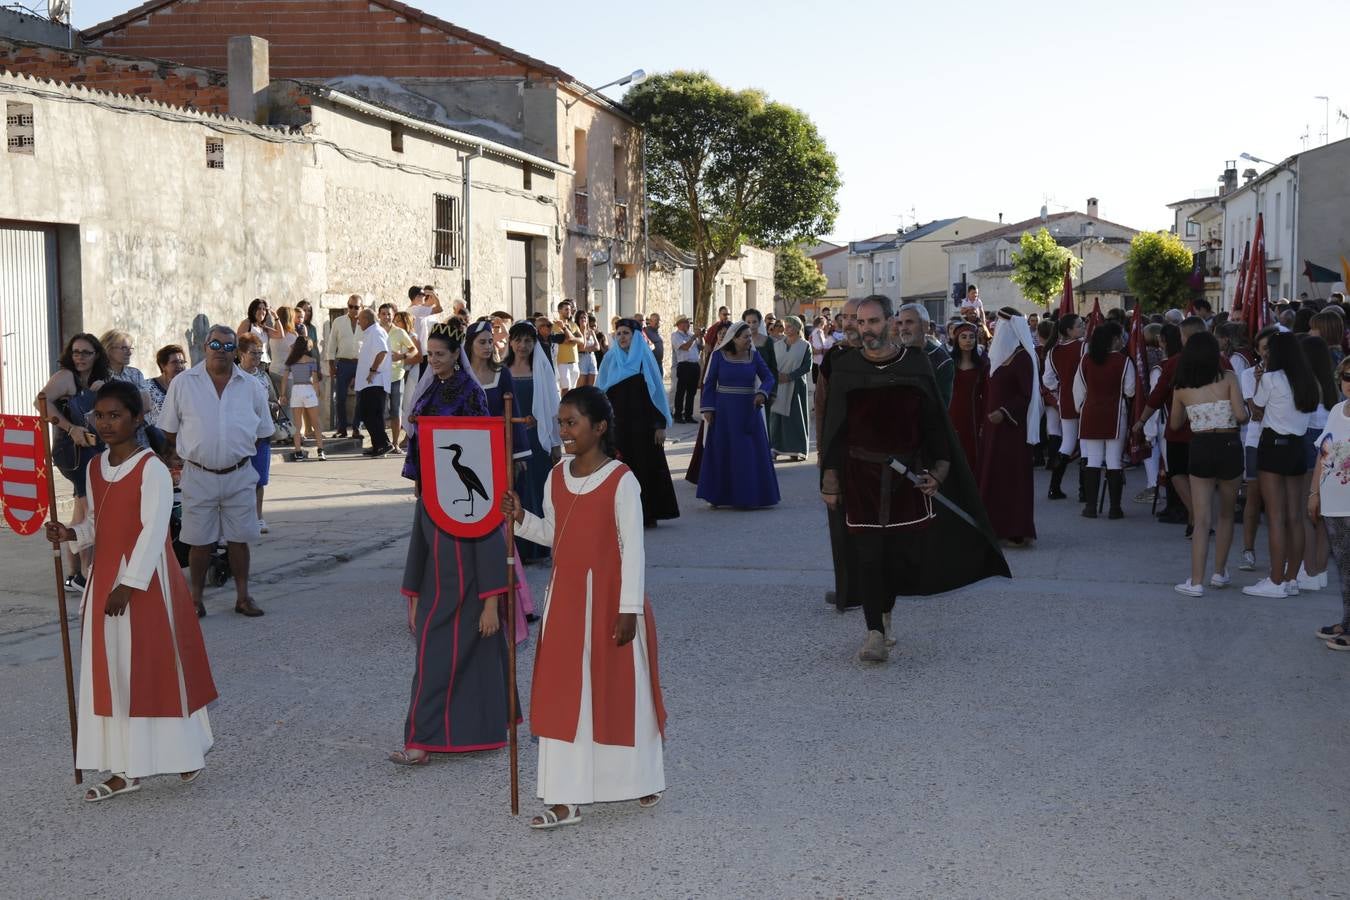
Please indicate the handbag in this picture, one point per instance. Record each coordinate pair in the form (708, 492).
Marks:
(66, 456)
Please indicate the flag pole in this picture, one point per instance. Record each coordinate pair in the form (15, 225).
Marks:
(512, 712)
(60, 584)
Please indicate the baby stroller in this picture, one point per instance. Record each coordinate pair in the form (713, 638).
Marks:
(218, 570)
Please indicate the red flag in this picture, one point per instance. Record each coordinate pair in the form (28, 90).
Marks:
(1255, 291)
(1066, 304)
(1095, 317)
(1138, 448)
(23, 473)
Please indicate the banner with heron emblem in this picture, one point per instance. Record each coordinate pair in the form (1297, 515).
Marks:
(23, 473)
(464, 472)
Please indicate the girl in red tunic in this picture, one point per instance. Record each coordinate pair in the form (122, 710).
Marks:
(1105, 381)
(972, 373)
(596, 702)
(144, 678)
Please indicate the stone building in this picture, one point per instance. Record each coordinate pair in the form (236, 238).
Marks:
(401, 57)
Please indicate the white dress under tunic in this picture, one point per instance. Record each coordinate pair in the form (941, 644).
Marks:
(141, 746)
(582, 771)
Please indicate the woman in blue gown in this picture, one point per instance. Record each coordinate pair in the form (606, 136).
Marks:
(737, 464)
(528, 364)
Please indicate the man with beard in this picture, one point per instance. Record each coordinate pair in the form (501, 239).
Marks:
(883, 404)
(911, 330)
(839, 598)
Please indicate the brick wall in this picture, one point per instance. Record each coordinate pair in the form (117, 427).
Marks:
(151, 79)
(315, 39)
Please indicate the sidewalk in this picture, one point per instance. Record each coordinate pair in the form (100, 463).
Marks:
(318, 514)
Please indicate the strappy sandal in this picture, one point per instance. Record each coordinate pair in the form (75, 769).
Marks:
(1329, 632)
(650, 801)
(103, 792)
(551, 820)
(405, 758)
(189, 777)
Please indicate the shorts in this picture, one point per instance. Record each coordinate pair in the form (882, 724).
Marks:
(219, 506)
(1178, 458)
(1310, 439)
(393, 402)
(1249, 456)
(303, 396)
(1281, 454)
(586, 363)
(1216, 455)
(262, 461)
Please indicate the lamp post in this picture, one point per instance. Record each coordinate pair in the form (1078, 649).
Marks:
(1326, 117)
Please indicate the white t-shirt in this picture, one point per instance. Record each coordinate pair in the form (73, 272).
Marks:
(374, 341)
(1333, 470)
(1251, 432)
(1275, 396)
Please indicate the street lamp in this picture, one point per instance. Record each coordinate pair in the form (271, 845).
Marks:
(1326, 117)
(636, 77)
(1255, 159)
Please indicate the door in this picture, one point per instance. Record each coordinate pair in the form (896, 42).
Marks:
(28, 320)
(627, 293)
(518, 270)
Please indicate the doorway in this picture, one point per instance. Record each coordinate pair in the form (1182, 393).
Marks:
(29, 344)
(520, 272)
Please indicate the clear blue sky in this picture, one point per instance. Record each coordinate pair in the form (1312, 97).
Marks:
(983, 106)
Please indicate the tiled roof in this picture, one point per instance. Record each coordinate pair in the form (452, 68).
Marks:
(1112, 281)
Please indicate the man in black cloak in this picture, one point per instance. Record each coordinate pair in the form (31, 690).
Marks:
(883, 403)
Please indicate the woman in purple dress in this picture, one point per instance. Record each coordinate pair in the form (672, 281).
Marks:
(454, 585)
(737, 464)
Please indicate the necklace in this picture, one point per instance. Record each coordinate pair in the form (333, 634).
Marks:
(113, 477)
(577, 494)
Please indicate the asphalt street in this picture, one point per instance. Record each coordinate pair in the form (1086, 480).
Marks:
(1078, 731)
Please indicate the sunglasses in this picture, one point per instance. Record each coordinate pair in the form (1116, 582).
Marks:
(227, 346)
(1345, 376)
(353, 307)
(83, 353)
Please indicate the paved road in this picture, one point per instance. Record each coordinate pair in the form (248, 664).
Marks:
(1078, 731)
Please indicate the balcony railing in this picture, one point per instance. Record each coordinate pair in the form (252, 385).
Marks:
(581, 206)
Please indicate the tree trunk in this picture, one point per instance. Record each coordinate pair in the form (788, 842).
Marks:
(705, 282)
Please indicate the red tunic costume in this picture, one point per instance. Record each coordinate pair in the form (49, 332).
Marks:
(967, 408)
(1101, 415)
(161, 648)
(1005, 473)
(1063, 361)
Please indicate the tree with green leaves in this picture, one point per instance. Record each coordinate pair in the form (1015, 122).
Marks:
(1038, 267)
(796, 277)
(1158, 271)
(727, 167)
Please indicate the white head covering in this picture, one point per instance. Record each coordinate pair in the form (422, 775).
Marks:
(733, 329)
(1014, 331)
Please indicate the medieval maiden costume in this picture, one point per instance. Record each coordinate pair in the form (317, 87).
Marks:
(737, 466)
(632, 381)
(787, 415)
(1005, 454)
(966, 408)
(542, 405)
(459, 688)
(144, 677)
(595, 707)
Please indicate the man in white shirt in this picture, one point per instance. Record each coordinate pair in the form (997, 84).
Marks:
(344, 345)
(685, 346)
(213, 416)
(373, 371)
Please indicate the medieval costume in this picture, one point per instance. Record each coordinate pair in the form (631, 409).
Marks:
(712, 340)
(840, 548)
(1006, 480)
(542, 406)
(459, 697)
(903, 543)
(595, 707)
(1100, 392)
(632, 381)
(737, 465)
(966, 408)
(787, 415)
(1061, 421)
(144, 676)
(944, 370)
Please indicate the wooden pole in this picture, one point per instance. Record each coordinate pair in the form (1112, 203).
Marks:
(511, 618)
(60, 586)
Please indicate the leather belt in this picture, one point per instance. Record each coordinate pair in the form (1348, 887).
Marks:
(234, 468)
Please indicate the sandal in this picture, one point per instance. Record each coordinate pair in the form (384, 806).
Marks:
(549, 820)
(1329, 632)
(247, 608)
(189, 777)
(100, 792)
(406, 758)
(650, 800)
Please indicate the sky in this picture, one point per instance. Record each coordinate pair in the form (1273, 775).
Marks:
(979, 107)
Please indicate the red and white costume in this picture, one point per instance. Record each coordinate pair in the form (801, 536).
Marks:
(1100, 394)
(144, 677)
(1061, 367)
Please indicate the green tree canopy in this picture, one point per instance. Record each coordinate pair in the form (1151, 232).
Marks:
(796, 277)
(1038, 266)
(1158, 271)
(726, 167)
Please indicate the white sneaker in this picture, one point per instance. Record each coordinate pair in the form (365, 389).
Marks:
(1248, 561)
(1220, 579)
(1308, 582)
(1265, 588)
(1291, 588)
(262, 526)
(1190, 590)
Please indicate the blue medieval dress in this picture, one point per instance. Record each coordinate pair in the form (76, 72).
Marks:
(737, 464)
(530, 483)
(459, 699)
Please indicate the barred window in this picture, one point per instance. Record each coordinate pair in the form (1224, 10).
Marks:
(446, 238)
(19, 134)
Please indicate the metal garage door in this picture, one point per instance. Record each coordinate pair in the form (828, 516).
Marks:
(28, 341)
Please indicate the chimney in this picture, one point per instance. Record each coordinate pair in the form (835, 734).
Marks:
(1229, 178)
(1000, 218)
(1092, 208)
(249, 79)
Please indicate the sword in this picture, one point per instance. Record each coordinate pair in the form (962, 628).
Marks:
(961, 514)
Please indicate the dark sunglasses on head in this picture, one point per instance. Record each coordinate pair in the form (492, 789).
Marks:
(1345, 376)
(227, 346)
